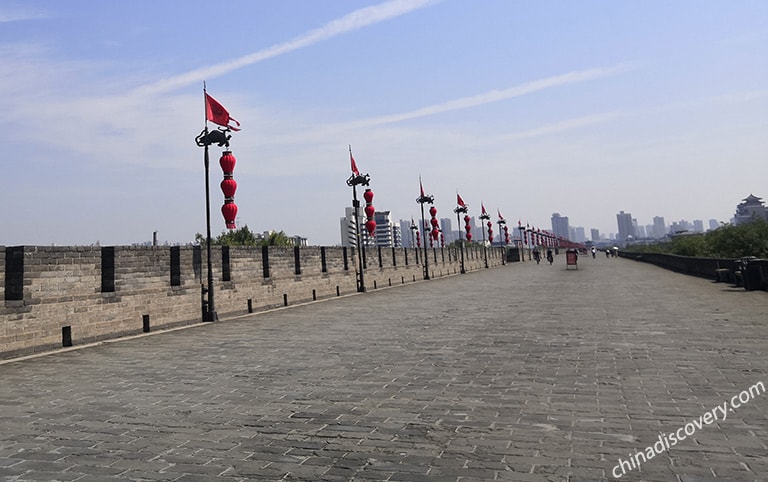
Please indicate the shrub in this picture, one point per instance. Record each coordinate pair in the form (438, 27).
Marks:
(729, 241)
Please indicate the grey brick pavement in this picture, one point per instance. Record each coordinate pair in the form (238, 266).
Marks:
(525, 372)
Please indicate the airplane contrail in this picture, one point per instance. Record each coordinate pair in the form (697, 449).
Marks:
(352, 21)
(498, 95)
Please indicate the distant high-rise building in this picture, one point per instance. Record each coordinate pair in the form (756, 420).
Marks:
(595, 235)
(659, 227)
(445, 227)
(640, 232)
(626, 226)
(579, 234)
(713, 224)
(299, 241)
(750, 208)
(477, 231)
(698, 226)
(681, 226)
(649, 231)
(406, 234)
(560, 226)
(348, 232)
(397, 236)
(385, 233)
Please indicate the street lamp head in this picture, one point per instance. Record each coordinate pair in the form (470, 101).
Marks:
(427, 198)
(461, 210)
(218, 136)
(359, 180)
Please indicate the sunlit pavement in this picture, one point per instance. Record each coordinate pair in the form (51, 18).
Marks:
(522, 372)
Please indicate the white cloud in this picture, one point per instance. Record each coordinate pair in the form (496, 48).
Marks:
(20, 13)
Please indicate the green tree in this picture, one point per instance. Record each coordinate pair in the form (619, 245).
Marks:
(728, 241)
(748, 239)
(276, 239)
(689, 245)
(245, 237)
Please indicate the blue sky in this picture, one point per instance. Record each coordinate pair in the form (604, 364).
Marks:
(582, 108)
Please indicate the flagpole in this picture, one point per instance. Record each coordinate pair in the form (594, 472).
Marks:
(460, 210)
(421, 200)
(485, 217)
(209, 310)
(353, 181)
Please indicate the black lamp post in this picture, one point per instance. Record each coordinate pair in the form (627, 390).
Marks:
(502, 224)
(529, 237)
(357, 179)
(422, 199)
(522, 241)
(485, 217)
(459, 211)
(204, 140)
(415, 243)
(503, 241)
(217, 114)
(209, 309)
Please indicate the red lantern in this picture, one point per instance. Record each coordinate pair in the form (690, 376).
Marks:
(227, 162)
(370, 211)
(370, 225)
(228, 187)
(418, 239)
(467, 227)
(434, 234)
(229, 211)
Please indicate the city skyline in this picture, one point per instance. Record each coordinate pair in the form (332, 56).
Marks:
(654, 108)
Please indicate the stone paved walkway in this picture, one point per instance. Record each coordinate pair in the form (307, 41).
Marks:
(525, 372)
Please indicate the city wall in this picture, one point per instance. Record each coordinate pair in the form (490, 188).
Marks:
(750, 273)
(62, 296)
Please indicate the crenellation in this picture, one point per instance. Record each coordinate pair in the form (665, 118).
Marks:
(62, 287)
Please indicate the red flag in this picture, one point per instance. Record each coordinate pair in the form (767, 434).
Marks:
(500, 216)
(482, 206)
(354, 166)
(460, 201)
(421, 187)
(217, 114)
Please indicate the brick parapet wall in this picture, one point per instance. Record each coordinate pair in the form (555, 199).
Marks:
(63, 288)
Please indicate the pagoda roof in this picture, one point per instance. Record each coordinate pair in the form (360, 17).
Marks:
(752, 199)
